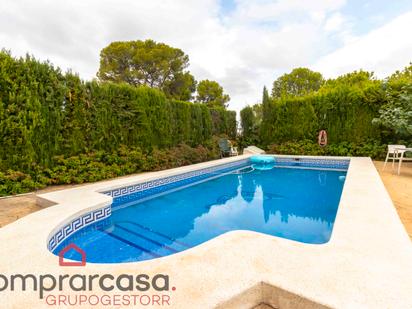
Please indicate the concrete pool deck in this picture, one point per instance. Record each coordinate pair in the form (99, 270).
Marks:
(366, 264)
(400, 190)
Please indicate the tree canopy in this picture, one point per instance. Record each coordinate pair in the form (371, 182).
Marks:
(267, 111)
(299, 82)
(247, 121)
(156, 65)
(404, 75)
(397, 114)
(354, 79)
(211, 93)
(396, 82)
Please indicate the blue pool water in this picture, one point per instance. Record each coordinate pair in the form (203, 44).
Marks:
(297, 204)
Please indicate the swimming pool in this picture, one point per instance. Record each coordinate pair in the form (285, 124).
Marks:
(287, 201)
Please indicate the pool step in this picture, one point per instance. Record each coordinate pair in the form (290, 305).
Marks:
(146, 238)
(160, 237)
(141, 240)
(130, 243)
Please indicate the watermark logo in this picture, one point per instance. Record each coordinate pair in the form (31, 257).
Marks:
(68, 248)
(84, 289)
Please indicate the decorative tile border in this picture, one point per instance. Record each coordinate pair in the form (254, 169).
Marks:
(312, 162)
(77, 224)
(144, 189)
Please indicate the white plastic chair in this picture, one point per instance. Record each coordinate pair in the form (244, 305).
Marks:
(394, 152)
(401, 157)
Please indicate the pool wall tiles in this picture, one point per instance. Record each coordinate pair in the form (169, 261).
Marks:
(77, 224)
(313, 162)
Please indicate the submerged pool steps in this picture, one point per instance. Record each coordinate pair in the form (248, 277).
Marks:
(144, 239)
(157, 233)
(130, 243)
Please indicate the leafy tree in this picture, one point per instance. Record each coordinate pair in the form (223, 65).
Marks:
(250, 119)
(357, 78)
(266, 126)
(181, 88)
(405, 74)
(397, 114)
(396, 82)
(299, 82)
(247, 121)
(156, 65)
(211, 93)
(258, 112)
(265, 97)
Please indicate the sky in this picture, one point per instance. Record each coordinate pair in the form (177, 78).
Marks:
(242, 44)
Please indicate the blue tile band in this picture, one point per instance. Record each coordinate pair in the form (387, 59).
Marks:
(152, 187)
(312, 162)
(77, 224)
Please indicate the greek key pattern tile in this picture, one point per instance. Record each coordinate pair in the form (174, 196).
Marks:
(153, 186)
(77, 224)
(313, 162)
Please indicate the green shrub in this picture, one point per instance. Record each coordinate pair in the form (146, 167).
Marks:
(15, 182)
(370, 148)
(99, 165)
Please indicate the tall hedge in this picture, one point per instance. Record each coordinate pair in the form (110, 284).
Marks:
(345, 111)
(45, 113)
(223, 121)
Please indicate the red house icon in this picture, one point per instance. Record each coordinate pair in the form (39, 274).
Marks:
(69, 247)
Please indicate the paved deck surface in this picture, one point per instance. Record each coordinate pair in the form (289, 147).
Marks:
(399, 188)
(15, 207)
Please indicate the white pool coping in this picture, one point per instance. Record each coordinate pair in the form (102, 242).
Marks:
(366, 264)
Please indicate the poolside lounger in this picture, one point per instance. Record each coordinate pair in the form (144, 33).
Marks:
(226, 148)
